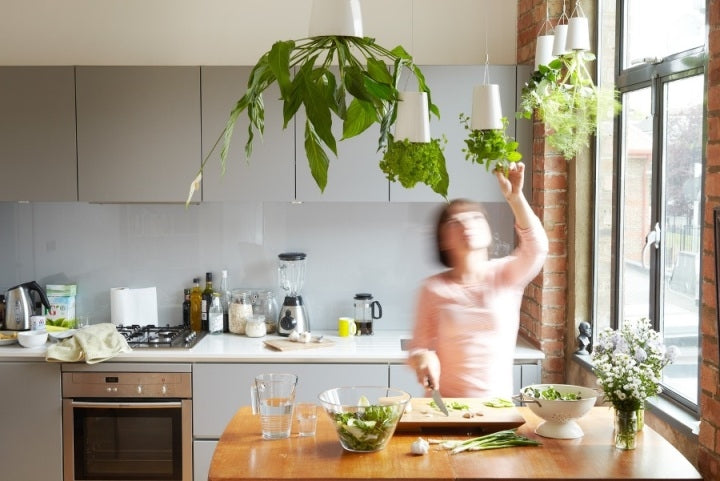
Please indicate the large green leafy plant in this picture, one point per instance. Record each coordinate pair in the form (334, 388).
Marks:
(568, 102)
(349, 79)
(492, 147)
(412, 162)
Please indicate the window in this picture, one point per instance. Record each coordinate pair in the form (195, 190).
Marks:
(649, 177)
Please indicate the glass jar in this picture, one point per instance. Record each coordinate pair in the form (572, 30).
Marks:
(239, 310)
(625, 429)
(255, 326)
(264, 303)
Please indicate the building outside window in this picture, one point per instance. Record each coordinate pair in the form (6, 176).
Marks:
(648, 191)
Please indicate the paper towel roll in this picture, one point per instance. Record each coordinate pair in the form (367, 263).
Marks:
(133, 306)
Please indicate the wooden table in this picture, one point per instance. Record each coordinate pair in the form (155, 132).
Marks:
(242, 454)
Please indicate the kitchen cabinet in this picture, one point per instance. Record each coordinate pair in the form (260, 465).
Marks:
(452, 91)
(31, 420)
(219, 390)
(269, 172)
(37, 134)
(138, 133)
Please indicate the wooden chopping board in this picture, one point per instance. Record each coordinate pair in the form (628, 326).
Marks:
(287, 345)
(423, 417)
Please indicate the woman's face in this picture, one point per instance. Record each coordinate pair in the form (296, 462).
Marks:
(466, 230)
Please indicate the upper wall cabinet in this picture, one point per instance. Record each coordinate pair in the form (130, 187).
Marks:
(452, 91)
(269, 172)
(138, 133)
(37, 134)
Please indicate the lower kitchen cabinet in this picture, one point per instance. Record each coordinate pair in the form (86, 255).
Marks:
(31, 422)
(219, 390)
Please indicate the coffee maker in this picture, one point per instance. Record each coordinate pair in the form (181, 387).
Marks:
(291, 275)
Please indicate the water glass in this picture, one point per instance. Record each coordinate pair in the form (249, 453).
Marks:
(306, 416)
(273, 397)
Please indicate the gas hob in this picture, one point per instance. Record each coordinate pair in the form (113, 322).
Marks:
(157, 337)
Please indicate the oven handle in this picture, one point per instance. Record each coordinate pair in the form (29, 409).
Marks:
(127, 405)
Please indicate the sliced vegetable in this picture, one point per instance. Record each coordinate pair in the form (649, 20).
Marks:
(451, 405)
(368, 428)
(498, 402)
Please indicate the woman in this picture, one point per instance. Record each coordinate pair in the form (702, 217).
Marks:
(468, 316)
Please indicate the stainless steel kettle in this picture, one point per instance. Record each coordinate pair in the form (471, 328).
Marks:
(19, 305)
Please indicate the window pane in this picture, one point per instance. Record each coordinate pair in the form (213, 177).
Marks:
(682, 226)
(636, 158)
(658, 28)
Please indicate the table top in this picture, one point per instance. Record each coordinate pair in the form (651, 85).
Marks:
(242, 454)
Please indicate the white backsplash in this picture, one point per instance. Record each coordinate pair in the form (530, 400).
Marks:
(382, 248)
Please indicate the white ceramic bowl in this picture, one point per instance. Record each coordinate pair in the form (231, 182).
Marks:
(364, 417)
(559, 415)
(32, 338)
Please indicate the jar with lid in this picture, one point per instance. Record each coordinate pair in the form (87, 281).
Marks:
(239, 310)
(215, 315)
(255, 326)
(264, 303)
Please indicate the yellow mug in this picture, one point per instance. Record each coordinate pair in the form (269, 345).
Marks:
(346, 327)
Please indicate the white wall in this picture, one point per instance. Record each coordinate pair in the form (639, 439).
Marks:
(381, 248)
(237, 32)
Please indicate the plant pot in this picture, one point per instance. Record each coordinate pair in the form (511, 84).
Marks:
(336, 17)
(578, 36)
(486, 109)
(560, 40)
(413, 120)
(543, 50)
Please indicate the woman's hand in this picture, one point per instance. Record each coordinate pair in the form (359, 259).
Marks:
(427, 368)
(511, 185)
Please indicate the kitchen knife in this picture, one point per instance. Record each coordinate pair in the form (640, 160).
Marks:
(439, 401)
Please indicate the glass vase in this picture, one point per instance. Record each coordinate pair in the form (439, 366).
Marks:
(626, 424)
(641, 417)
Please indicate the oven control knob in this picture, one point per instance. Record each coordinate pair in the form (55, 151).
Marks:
(139, 389)
(163, 389)
(111, 389)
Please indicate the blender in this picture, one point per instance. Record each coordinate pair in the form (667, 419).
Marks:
(291, 275)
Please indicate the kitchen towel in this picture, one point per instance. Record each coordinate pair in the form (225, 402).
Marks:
(92, 344)
(133, 306)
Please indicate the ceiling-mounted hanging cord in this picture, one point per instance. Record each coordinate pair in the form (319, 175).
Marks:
(578, 10)
(546, 27)
(563, 16)
(486, 74)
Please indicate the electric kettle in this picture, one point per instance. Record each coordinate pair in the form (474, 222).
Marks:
(19, 305)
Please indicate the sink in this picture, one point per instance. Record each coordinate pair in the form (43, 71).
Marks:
(404, 344)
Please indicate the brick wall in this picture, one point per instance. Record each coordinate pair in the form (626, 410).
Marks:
(544, 311)
(709, 445)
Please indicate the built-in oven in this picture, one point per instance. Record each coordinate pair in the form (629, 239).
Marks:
(127, 425)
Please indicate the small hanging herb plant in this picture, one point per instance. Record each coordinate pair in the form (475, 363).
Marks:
(302, 70)
(568, 102)
(492, 147)
(412, 162)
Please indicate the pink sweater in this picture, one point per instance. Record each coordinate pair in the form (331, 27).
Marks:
(473, 328)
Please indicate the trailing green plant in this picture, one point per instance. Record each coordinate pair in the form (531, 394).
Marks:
(302, 71)
(412, 162)
(568, 102)
(491, 147)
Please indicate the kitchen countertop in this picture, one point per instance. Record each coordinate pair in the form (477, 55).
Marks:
(383, 346)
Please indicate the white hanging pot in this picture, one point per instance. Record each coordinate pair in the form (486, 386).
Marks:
(486, 109)
(413, 120)
(336, 17)
(559, 45)
(543, 50)
(578, 34)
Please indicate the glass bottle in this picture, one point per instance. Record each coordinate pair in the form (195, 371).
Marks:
(196, 306)
(225, 299)
(215, 315)
(207, 299)
(186, 308)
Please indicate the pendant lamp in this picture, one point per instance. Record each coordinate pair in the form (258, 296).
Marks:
(578, 35)
(336, 17)
(413, 120)
(559, 45)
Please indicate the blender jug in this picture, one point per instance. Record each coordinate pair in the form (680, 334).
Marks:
(291, 275)
(366, 310)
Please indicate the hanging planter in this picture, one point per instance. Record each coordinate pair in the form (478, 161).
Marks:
(490, 147)
(544, 43)
(336, 17)
(567, 101)
(359, 91)
(561, 30)
(412, 156)
(578, 33)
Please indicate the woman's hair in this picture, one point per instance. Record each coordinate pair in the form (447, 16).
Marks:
(447, 210)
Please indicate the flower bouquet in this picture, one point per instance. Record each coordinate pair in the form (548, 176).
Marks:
(628, 364)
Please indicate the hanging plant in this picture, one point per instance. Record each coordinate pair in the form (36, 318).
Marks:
(412, 162)
(568, 102)
(492, 147)
(302, 70)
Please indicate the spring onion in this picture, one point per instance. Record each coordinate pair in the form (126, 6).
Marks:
(502, 439)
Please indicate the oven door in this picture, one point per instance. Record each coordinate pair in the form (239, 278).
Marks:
(127, 440)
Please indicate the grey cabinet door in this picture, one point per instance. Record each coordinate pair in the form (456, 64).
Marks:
(37, 134)
(452, 92)
(138, 133)
(269, 173)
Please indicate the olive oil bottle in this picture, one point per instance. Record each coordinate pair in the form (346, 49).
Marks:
(196, 306)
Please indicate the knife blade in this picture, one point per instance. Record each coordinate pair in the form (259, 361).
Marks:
(439, 401)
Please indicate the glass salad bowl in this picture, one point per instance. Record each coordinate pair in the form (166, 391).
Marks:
(365, 417)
